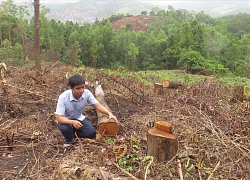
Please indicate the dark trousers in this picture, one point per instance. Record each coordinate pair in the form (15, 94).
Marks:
(68, 131)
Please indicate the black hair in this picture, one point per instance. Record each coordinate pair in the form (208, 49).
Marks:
(76, 80)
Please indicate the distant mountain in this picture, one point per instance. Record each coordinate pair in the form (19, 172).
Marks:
(89, 10)
(215, 8)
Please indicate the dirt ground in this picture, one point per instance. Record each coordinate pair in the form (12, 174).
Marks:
(136, 23)
(212, 128)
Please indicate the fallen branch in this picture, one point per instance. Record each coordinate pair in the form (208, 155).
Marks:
(221, 136)
(124, 171)
(179, 169)
(141, 98)
(31, 92)
(216, 167)
(21, 170)
(102, 174)
(47, 70)
(146, 171)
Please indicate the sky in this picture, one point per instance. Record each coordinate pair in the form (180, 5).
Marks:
(163, 2)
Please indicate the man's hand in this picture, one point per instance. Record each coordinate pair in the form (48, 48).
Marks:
(77, 124)
(104, 110)
(111, 116)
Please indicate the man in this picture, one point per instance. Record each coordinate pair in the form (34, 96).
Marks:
(70, 107)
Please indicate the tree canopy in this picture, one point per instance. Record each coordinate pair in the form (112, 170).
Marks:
(174, 39)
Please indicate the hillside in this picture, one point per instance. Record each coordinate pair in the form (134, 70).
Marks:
(87, 11)
(136, 23)
(212, 128)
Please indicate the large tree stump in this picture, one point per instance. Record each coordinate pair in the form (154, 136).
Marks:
(161, 143)
(106, 126)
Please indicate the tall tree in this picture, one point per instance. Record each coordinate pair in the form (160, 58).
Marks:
(132, 54)
(7, 19)
(73, 54)
(37, 36)
(191, 61)
(186, 36)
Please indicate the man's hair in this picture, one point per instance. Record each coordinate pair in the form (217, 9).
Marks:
(76, 80)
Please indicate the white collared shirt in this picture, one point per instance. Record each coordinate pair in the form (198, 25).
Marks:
(71, 108)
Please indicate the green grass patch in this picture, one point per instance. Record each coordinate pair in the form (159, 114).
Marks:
(153, 76)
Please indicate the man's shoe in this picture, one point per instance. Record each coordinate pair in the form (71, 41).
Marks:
(68, 144)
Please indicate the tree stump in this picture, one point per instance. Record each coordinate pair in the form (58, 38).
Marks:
(158, 88)
(106, 126)
(161, 143)
(162, 88)
(165, 89)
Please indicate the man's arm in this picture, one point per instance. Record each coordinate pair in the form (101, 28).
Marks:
(63, 120)
(104, 110)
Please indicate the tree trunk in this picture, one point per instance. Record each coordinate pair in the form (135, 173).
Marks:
(106, 126)
(37, 35)
(162, 144)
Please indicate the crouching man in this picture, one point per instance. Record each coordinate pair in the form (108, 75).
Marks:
(69, 111)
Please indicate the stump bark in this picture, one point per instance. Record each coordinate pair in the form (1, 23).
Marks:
(162, 144)
(106, 126)
(158, 88)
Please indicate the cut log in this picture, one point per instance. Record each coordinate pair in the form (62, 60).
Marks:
(106, 126)
(161, 143)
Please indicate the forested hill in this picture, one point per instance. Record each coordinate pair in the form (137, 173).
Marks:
(88, 11)
(164, 39)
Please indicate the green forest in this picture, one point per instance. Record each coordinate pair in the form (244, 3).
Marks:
(175, 39)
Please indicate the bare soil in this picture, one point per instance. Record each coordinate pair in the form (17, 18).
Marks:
(213, 130)
(136, 23)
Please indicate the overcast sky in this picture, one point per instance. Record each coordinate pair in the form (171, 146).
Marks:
(163, 2)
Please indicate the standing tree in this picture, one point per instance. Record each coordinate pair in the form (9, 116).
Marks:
(8, 13)
(73, 54)
(94, 53)
(37, 36)
(133, 52)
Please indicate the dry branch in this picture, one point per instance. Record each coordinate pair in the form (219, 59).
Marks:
(35, 93)
(179, 169)
(141, 98)
(215, 168)
(146, 170)
(124, 171)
